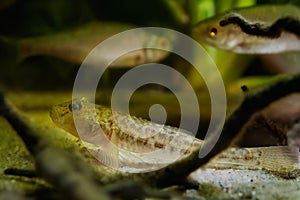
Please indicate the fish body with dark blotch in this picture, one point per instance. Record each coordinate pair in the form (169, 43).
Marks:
(74, 45)
(140, 145)
(261, 29)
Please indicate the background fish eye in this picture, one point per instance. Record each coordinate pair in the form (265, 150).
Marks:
(213, 31)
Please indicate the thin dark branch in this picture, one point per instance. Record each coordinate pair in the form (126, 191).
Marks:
(174, 173)
(253, 102)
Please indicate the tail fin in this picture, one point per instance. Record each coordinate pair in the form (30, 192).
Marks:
(274, 158)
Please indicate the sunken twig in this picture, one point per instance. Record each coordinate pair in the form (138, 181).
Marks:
(231, 132)
(174, 173)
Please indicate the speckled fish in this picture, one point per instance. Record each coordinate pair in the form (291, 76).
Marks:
(143, 145)
(260, 29)
(74, 45)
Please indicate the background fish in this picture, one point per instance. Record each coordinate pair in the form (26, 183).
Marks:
(258, 29)
(75, 44)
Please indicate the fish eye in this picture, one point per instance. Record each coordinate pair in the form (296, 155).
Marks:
(74, 106)
(213, 31)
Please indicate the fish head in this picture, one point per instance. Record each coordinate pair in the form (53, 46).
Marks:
(209, 31)
(76, 117)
